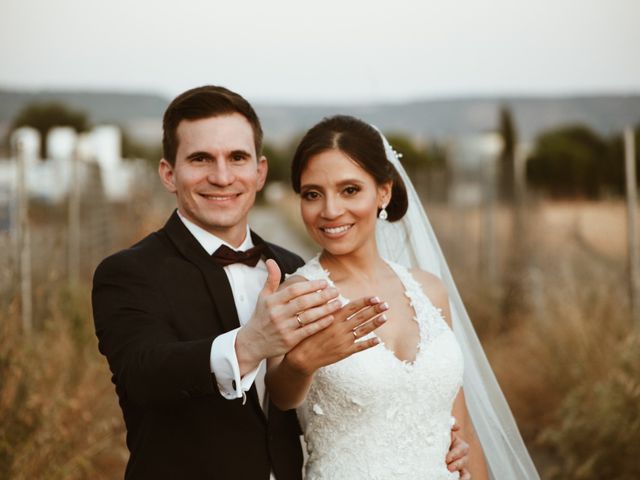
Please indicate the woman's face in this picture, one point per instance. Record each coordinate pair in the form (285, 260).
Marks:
(339, 202)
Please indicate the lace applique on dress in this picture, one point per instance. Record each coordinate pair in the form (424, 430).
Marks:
(373, 416)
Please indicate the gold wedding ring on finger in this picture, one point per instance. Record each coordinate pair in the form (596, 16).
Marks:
(355, 335)
(300, 324)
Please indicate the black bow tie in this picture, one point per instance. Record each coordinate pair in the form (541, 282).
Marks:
(224, 255)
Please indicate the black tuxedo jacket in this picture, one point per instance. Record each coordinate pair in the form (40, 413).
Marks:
(157, 308)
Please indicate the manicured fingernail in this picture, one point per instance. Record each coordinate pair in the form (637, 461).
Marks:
(383, 318)
(374, 300)
(384, 306)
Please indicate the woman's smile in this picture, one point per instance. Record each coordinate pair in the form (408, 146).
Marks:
(336, 231)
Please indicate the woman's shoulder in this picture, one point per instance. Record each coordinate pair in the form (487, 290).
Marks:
(429, 280)
(433, 287)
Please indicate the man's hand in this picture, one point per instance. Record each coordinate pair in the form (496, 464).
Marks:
(339, 340)
(282, 319)
(457, 458)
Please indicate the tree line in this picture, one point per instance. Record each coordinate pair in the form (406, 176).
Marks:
(570, 161)
(575, 161)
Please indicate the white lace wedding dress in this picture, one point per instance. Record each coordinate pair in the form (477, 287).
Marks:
(372, 416)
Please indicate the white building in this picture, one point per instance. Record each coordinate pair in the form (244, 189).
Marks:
(50, 179)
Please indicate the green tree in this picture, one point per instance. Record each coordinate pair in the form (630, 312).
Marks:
(131, 148)
(508, 131)
(426, 165)
(277, 164)
(279, 158)
(44, 116)
(569, 162)
(413, 158)
(613, 171)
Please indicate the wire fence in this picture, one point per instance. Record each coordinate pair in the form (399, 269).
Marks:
(534, 275)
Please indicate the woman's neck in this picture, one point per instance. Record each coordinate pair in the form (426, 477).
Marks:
(363, 264)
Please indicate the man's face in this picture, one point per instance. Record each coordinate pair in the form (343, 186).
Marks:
(216, 174)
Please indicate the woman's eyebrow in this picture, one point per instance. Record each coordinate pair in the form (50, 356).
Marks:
(348, 181)
(310, 186)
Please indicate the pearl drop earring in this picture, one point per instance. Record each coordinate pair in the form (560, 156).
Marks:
(383, 213)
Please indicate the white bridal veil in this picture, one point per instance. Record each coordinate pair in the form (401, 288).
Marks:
(412, 242)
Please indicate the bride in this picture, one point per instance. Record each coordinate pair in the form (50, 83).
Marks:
(380, 405)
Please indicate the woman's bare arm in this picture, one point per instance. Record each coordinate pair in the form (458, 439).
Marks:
(475, 463)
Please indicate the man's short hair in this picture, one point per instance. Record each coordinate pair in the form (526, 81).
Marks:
(204, 102)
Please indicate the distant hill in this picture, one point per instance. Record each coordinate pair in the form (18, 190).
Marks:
(141, 113)
(452, 117)
(101, 106)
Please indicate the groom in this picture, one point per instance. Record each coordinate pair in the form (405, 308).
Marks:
(187, 316)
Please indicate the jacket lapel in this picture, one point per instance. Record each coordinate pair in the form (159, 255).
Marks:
(216, 279)
(214, 276)
(271, 253)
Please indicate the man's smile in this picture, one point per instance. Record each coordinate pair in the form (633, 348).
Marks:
(220, 198)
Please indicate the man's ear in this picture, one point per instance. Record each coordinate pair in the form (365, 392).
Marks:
(263, 168)
(167, 176)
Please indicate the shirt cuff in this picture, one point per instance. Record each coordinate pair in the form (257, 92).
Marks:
(224, 365)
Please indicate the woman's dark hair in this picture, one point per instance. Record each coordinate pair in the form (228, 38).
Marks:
(360, 142)
(204, 102)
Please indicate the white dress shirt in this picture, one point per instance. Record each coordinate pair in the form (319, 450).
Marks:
(246, 283)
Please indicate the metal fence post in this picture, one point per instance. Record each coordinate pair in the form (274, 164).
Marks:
(632, 225)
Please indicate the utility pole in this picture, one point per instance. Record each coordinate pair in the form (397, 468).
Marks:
(73, 220)
(632, 224)
(24, 238)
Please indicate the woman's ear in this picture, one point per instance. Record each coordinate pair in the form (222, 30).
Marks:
(384, 193)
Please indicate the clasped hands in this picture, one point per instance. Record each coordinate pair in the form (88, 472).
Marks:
(306, 322)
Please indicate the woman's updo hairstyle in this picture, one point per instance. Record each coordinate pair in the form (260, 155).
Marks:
(360, 142)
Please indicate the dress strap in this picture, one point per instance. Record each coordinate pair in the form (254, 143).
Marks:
(312, 270)
(412, 287)
(429, 317)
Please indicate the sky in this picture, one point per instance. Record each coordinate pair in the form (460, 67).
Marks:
(344, 51)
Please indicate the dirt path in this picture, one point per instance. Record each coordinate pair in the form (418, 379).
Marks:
(274, 226)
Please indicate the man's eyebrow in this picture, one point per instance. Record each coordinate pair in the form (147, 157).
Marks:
(240, 151)
(199, 154)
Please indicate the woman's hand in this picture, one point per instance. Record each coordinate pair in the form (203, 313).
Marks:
(340, 339)
(458, 455)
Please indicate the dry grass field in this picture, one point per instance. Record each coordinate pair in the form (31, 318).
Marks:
(555, 322)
